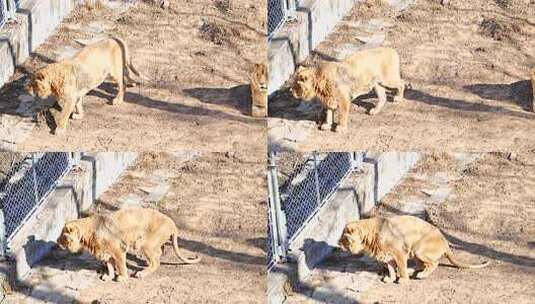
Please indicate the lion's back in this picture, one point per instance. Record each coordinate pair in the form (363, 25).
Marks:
(382, 63)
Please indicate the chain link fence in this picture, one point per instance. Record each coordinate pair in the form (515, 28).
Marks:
(7, 11)
(307, 182)
(278, 12)
(26, 181)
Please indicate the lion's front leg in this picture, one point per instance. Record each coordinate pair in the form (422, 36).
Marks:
(342, 114)
(111, 271)
(328, 122)
(119, 257)
(61, 118)
(391, 277)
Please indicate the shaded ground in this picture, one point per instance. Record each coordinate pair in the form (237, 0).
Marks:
(485, 205)
(196, 56)
(468, 64)
(218, 203)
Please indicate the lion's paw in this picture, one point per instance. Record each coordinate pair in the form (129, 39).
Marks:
(387, 279)
(59, 131)
(121, 278)
(340, 129)
(373, 111)
(325, 127)
(403, 280)
(106, 277)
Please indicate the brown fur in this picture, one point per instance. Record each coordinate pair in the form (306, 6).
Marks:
(109, 237)
(70, 80)
(394, 240)
(259, 98)
(336, 84)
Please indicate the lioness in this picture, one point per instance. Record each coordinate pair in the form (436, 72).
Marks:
(394, 240)
(71, 79)
(259, 98)
(336, 84)
(109, 237)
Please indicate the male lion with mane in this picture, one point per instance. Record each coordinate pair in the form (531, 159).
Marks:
(110, 237)
(259, 88)
(394, 240)
(71, 79)
(336, 84)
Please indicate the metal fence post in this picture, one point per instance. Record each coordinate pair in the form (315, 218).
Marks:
(291, 8)
(3, 244)
(34, 181)
(11, 9)
(278, 215)
(316, 178)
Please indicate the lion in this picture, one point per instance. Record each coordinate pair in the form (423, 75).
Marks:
(336, 84)
(394, 240)
(259, 98)
(110, 237)
(71, 79)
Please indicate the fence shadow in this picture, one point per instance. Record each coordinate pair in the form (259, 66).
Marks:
(188, 112)
(519, 92)
(462, 105)
(237, 257)
(237, 97)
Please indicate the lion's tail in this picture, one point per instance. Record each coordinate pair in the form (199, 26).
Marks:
(454, 261)
(127, 63)
(174, 239)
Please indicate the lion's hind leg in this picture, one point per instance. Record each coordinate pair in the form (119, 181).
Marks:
(117, 74)
(153, 254)
(78, 110)
(381, 95)
(429, 250)
(397, 85)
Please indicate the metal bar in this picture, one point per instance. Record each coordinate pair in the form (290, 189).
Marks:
(280, 216)
(35, 186)
(272, 214)
(316, 179)
(2, 237)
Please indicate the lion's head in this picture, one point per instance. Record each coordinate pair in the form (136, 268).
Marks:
(260, 77)
(352, 242)
(39, 85)
(304, 83)
(70, 237)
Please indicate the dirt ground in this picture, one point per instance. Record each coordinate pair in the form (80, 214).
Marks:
(468, 64)
(218, 203)
(197, 57)
(487, 214)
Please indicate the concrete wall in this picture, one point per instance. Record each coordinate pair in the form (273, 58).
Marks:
(315, 19)
(36, 20)
(74, 194)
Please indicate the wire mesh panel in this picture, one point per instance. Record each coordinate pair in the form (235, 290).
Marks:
(27, 183)
(311, 184)
(3, 12)
(277, 11)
